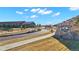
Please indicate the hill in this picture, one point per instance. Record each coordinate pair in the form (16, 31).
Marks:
(68, 33)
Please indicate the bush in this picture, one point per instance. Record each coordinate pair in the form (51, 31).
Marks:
(38, 29)
(6, 29)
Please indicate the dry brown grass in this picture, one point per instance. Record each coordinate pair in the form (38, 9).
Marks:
(12, 32)
(49, 44)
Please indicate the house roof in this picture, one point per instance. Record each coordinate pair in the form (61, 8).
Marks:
(16, 22)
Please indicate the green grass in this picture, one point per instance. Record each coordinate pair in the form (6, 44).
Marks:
(71, 44)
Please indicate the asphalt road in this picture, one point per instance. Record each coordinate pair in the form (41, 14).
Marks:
(13, 45)
(21, 35)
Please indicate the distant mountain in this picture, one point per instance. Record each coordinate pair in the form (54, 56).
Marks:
(75, 19)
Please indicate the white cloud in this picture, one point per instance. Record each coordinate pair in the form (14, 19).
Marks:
(19, 12)
(47, 12)
(35, 10)
(25, 9)
(41, 11)
(56, 14)
(74, 8)
(44, 11)
(33, 16)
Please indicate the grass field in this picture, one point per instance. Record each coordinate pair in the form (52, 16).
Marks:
(49, 44)
(23, 38)
(12, 33)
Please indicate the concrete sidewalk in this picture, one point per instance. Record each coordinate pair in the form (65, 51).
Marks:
(13, 45)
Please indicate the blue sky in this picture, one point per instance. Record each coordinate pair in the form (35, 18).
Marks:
(40, 15)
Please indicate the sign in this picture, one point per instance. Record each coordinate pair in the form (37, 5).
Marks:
(65, 28)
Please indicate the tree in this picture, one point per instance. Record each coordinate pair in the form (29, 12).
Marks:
(77, 21)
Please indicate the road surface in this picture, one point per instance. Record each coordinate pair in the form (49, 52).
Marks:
(13, 45)
(21, 35)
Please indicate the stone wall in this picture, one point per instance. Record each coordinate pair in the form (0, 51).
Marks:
(67, 36)
(72, 33)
